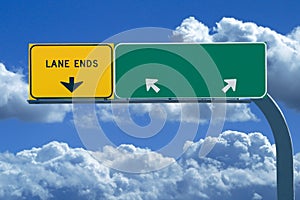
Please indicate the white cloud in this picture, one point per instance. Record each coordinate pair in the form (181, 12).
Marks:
(241, 166)
(297, 171)
(283, 51)
(173, 111)
(132, 159)
(13, 101)
(239, 113)
(176, 112)
(192, 30)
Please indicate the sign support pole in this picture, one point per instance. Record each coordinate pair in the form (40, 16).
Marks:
(284, 149)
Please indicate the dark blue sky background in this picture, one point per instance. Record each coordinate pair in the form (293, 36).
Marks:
(93, 21)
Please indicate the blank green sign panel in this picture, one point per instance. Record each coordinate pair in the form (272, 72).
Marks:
(171, 70)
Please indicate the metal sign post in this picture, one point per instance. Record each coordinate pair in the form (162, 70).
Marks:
(284, 149)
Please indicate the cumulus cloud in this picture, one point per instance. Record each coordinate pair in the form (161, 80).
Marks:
(241, 166)
(132, 159)
(176, 112)
(283, 55)
(191, 30)
(13, 104)
(239, 113)
(172, 111)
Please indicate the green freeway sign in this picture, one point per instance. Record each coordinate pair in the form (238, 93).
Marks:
(189, 70)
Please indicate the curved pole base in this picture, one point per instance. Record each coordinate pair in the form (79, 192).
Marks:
(284, 149)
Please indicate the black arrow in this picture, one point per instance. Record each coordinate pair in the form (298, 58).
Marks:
(71, 86)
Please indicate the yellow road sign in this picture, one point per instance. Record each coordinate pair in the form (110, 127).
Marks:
(58, 71)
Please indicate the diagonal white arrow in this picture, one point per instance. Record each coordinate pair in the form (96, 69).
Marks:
(150, 83)
(231, 83)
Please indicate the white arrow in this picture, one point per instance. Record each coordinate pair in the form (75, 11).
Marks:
(231, 83)
(150, 84)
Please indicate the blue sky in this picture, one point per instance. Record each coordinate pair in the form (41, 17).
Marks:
(24, 22)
